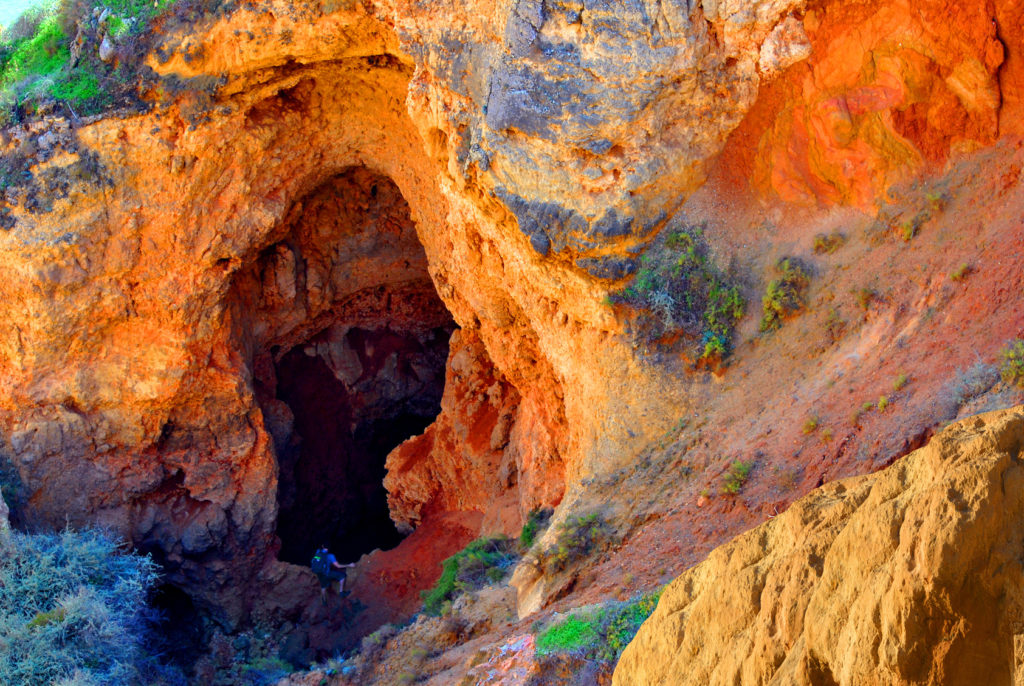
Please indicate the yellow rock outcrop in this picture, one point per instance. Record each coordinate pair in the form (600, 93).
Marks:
(912, 575)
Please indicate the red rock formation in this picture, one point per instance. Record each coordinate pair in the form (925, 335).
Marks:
(160, 265)
(887, 89)
(485, 430)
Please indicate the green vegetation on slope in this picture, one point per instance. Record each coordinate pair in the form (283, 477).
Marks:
(85, 54)
(599, 632)
(73, 610)
(485, 560)
(679, 289)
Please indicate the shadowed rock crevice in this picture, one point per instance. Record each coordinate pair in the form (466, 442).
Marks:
(348, 341)
(330, 486)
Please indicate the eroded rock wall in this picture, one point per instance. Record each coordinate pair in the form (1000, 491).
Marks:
(909, 575)
(146, 278)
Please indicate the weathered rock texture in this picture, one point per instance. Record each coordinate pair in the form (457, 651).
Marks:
(911, 575)
(487, 452)
(157, 268)
(147, 275)
(888, 90)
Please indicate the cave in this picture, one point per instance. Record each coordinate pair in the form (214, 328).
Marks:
(330, 484)
(348, 342)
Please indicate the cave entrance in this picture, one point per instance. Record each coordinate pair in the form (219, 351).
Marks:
(349, 342)
(330, 487)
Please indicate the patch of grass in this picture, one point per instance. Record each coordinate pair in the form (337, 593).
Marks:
(572, 634)
(785, 295)
(1011, 368)
(883, 402)
(536, 522)
(899, 382)
(909, 228)
(867, 406)
(599, 632)
(961, 272)
(578, 537)
(811, 425)
(679, 289)
(826, 435)
(484, 561)
(828, 243)
(736, 477)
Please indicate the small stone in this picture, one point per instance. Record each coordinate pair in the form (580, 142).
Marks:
(106, 49)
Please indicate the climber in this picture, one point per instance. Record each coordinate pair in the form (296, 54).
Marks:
(326, 567)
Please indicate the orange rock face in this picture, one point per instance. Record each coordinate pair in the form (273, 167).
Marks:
(485, 430)
(888, 89)
(393, 168)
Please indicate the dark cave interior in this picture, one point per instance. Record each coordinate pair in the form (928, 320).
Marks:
(330, 486)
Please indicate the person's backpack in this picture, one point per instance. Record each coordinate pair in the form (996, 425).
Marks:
(320, 564)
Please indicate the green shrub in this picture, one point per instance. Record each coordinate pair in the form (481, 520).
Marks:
(679, 289)
(811, 425)
(36, 65)
(1011, 370)
(961, 272)
(899, 382)
(785, 295)
(599, 632)
(736, 477)
(577, 538)
(73, 606)
(536, 522)
(483, 561)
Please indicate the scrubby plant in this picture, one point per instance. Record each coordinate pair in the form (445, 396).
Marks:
(834, 325)
(598, 632)
(679, 289)
(578, 537)
(899, 382)
(1011, 368)
(865, 296)
(73, 610)
(883, 402)
(736, 477)
(974, 381)
(961, 272)
(536, 522)
(811, 425)
(785, 295)
(828, 243)
(484, 561)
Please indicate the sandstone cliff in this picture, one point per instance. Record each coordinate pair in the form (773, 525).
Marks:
(317, 193)
(910, 575)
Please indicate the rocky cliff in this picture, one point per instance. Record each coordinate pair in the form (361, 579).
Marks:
(224, 309)
(910, 575)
